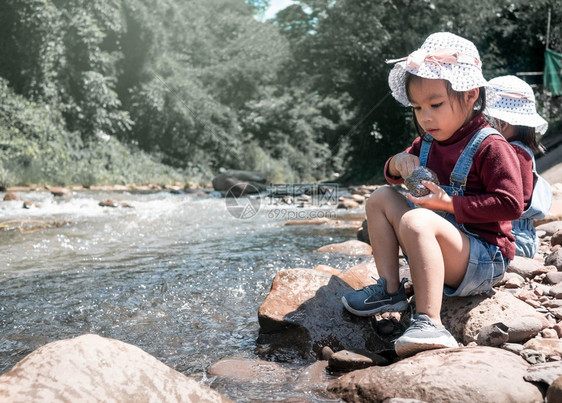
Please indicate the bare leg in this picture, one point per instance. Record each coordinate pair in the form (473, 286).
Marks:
(438, 254)
(384, 210)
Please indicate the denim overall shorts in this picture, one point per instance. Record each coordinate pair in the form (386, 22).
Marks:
(486, 265)
(526, 240)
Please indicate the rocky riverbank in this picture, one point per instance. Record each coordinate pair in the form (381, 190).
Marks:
(510, 346)
(510, 342)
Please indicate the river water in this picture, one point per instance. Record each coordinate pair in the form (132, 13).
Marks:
(179, 275)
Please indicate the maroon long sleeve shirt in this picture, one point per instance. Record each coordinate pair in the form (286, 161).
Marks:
(526, 163)
(494, 192)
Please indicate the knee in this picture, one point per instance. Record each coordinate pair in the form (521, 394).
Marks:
(416, 222)
(379, 197)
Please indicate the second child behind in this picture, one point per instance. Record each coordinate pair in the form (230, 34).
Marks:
(516, 118)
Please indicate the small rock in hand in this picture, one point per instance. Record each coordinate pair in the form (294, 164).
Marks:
(414, 181)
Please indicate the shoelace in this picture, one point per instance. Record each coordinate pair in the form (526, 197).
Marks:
(373, 288)
(420, 324)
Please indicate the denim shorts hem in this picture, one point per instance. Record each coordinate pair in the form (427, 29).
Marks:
(486, 266)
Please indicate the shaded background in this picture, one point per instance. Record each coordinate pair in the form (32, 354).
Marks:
(123, 91)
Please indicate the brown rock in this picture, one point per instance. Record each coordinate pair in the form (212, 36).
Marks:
(11, 196)
(328, 269)
(521, 329)
(347, 203)
(514, 281)
(108, 203)
(312, 221)
(345, 361)
(475, 374)
(549, 346)
(558, 328)
(303, 312)
(352, 248)
(363, 233)
(556, 238)
(358, 198)
(555, 259)
(554, 277)
(554, 392)
(314, 378)
(524, 266)
(550, 228)
(250, 370)
(493, 335)
(464, 317)
(549, 334)
(556, 291)
(59, 191)
(326, 353)
(546, 372)
(361, 275)
(557, 312)
(94, 368)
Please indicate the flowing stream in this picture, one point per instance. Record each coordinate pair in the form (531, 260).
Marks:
(178, 275)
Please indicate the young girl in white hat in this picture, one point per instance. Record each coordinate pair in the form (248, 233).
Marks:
(460, 242)
(516, 118)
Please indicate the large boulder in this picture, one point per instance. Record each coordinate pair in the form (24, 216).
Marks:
(465, 317)
(91, 368)
(303, 313)
(475, 374)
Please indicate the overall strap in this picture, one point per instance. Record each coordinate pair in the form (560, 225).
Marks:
(426, 142)
(464, 163)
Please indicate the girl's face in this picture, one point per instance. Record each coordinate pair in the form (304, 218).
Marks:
(438, 113)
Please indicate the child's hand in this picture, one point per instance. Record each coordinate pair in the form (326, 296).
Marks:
(437, 199)
(405, 163)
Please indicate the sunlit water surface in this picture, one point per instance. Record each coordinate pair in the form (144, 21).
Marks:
(177, 275)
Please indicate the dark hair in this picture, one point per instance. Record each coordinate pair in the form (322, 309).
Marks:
(479, 105)
(527, 136)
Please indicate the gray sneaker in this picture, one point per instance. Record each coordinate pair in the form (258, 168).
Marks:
(374, 299)
(423, 335)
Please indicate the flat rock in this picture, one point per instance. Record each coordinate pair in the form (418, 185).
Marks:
(524, 266)
(546, 372)
(475, 374)
(465, 317)
(550, 228)
(246, 370)
(550, 347)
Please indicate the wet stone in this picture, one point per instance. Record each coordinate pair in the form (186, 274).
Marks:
(345, 361)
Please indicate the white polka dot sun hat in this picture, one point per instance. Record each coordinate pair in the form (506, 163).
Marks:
(444, 56)
(516, 104)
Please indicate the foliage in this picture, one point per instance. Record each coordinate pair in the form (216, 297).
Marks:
(37, 149)
(299, 128)
(108, 91)
(347, 41)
